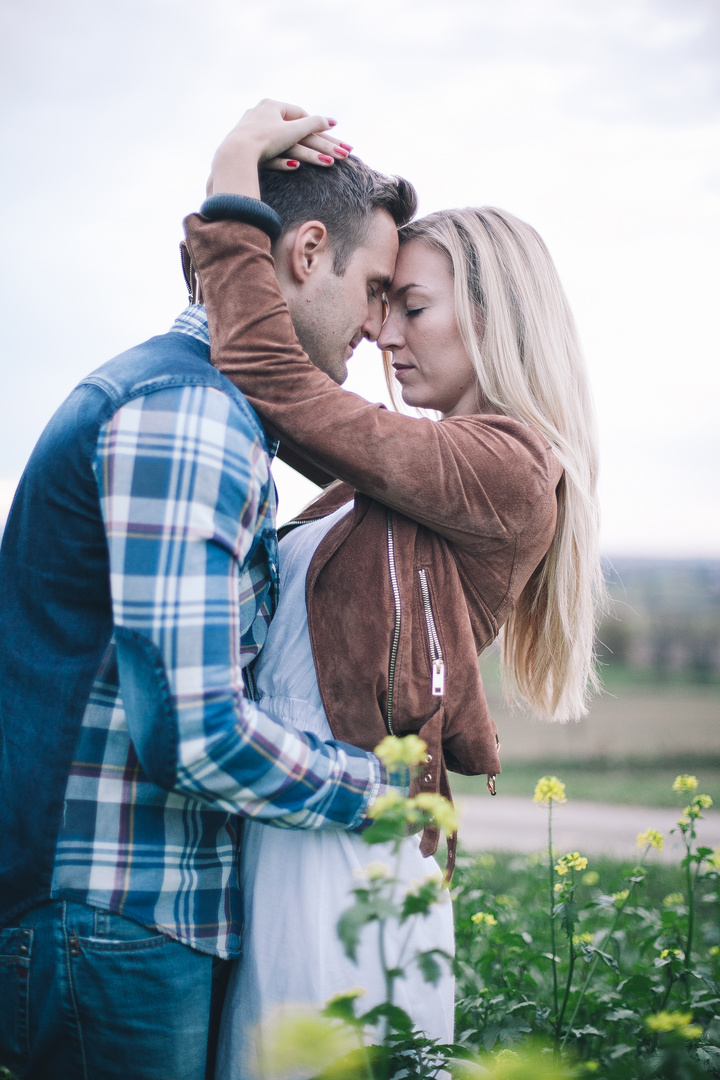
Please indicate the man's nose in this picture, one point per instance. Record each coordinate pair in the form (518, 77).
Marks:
(373, 324)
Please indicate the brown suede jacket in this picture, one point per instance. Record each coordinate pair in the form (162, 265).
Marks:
(450, 520)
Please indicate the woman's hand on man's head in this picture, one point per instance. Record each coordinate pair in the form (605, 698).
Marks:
(272, 135)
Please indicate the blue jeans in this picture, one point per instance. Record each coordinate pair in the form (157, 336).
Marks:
(89, 995)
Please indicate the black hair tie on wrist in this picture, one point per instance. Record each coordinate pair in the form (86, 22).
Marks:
(226, 207)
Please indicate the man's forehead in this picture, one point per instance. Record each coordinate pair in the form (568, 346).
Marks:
(381, 247)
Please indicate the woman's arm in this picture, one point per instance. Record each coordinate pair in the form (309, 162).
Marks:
(476, 480)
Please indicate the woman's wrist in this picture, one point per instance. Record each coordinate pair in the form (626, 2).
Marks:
(235, 169)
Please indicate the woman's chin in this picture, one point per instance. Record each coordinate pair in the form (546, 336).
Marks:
(413, 400)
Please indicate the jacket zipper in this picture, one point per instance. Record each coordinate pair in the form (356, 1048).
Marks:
(398, 615)
(438, 663)
(302, 521)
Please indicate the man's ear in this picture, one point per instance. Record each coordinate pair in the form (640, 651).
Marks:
(309, 246)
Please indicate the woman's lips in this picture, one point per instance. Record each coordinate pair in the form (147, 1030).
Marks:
(401, 370)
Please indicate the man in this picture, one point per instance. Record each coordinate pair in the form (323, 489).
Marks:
(138, 572)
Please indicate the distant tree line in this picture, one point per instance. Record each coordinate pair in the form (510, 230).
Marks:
(664, 618)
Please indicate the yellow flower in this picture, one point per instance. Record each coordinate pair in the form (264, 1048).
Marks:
(410, 750)
(439, 808)
(572, 861)
(678, 954)
(385, 802)
(673, 898)
(674, 1022)
(548, 790)
(483, 918)
(591, 878)
(715, 950)
(694, 810)
(582, 939)
(685, 784)
(591, 1066)
(621, 896)
(436, 879)
(714, 859)
(651, 837)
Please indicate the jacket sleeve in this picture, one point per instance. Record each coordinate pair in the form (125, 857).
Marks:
(183, 490)
(475, 480)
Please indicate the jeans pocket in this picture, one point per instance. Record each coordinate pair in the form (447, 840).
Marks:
(115, 933)
(15, 953)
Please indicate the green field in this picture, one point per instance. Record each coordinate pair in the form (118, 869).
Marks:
(641, 785)
(639, 734)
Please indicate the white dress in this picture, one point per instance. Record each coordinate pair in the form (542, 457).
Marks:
(297, 883)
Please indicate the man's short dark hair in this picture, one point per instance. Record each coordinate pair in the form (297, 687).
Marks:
(343, 197)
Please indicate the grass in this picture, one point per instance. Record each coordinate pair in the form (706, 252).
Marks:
(642, 784)
(506, 873)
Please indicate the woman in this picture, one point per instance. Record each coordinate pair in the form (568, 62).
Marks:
(441, 534)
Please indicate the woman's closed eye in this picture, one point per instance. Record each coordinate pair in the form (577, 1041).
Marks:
(411, 312)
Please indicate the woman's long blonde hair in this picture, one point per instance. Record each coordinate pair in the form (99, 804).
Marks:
(518, 329)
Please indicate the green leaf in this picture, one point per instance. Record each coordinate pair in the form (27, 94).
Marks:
(606, 957)
(341, 1008)
(430, 969)
(350, 925)
(569, 916)
(622, 1014)
(397, 1018)
(380, 832)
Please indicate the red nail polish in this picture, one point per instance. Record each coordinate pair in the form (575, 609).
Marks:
(325, 159)
(345, 146)
(292, 164)
(332, 123)
(342, 152)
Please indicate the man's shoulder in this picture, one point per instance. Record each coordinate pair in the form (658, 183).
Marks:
(168, 365)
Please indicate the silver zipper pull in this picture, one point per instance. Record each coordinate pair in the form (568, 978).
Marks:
(438, 678)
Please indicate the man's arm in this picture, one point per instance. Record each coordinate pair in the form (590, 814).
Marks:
(182, 481)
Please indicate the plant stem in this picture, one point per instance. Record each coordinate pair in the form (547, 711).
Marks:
(690, 879)
(594, 962)
(389, 979)
(369, 1071)
(561, 1017)
(551, 882)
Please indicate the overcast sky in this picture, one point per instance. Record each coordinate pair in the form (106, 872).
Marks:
(598, 121)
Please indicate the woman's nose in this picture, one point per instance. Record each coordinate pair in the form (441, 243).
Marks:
(390, 336)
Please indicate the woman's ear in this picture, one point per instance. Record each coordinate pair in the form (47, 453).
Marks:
(309, 246)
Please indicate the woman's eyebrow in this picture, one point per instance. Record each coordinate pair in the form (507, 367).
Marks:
(404, 288)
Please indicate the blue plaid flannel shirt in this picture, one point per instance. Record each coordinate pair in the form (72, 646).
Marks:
(186, 495)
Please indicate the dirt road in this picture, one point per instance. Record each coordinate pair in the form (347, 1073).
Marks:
(506, 823)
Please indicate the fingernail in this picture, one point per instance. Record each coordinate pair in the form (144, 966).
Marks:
(292, 164)
(331, 123)
(339, 150)
(345, 146)
(325, 159)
